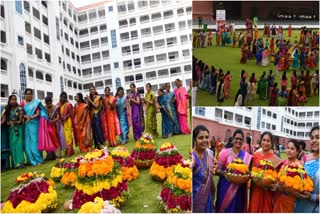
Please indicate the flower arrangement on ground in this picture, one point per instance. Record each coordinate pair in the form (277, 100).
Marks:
(129, 171)
(98, 206)
(294, 178)
(144, 151)
(264, 174)
(166, 159)
(176, 191)
(99, 176)
(34, 193)
(237, 172)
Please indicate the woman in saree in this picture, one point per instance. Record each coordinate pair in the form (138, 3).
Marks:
(123, 112)
(137, 113)
(262, 86)
(227, 84)
(284, 202)
(13, 116)
(232, 197)
(95, 108)
(111, 117)
(261, 200)
(53, 114)
(309, 202)
(295, 61)
(32, 109)
(171, 101)
(203, 189)
(151, 111)
(67, 120)
(5, 146)
(167, 119)
(83, 124)
(181, 96)
(265, 56)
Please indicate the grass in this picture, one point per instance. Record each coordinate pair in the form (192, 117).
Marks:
(144, 190)
(228, 58)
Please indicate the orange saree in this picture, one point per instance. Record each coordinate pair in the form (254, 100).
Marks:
(84, 129)
(112, 121)
(261, 200)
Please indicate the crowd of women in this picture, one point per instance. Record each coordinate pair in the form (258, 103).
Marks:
(30, 127)
(303, 84)
(230, 197)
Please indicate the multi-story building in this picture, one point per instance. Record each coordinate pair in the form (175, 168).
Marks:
(284, 123)
(51, 46)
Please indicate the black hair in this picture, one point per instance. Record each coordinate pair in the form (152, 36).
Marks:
(267, 133)
(313, 129)
(196, 132)
(132, 85)
(48, 99)
(297, 144)
(81, 97)
(237, 95)
(248, 140)
(106, 88)
(64, 94)
(8, 106)
(160, 89)
(301, 143)
(119, 89)
(28, 89)
(238, 131)
(178, 80)
(148, 84)
(229, 143)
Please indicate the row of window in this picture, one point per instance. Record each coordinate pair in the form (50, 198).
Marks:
(92, 15)
(38, 53)
(93, 30)
(69, 54)
(71, 84)
(68, 67)
(300, 125)
(36, 32)
(95, 56)
(153, 17)
(35, 12)
(70, 12)
(39, 75)
(302, 114)
(94, 43)
(97, 70)
(269, 113)
(154, 74)
(123, 7)
(219, 113)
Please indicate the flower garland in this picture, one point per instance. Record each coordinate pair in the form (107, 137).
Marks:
(166, 159)
(176, 193)
(294, 178)
(264, 174)
(144, 151)
(34, 194)
(121, 155)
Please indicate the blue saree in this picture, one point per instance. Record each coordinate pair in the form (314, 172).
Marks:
(122, 115)
(31, 132)
(170, 97)
(308, 206)
(167, 119)
(202, 183)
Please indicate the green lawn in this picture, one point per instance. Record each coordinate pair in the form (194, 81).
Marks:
(228, 58)
(144, 190)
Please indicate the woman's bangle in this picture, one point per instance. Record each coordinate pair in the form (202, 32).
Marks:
(314, 197)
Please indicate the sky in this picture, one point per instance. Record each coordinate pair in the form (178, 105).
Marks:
(80, 3)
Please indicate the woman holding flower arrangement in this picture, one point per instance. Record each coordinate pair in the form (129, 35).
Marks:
(232, 197)
(202, 170)
(14, 118)
(309, 202)
(284, 202)
(260, 198)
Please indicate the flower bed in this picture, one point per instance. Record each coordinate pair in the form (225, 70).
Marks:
(129, 171)
(166, 159)
(294, 178)
(144, 151)
(34, 194)
(99, 175)
(176, 191)
(264, 174)
(237, 172)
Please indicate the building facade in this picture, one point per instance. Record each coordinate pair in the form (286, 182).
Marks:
(51, 46)
(284, 123)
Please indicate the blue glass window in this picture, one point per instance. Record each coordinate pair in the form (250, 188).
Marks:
(19, 6)
(110, 8)
(114, 38)
(23, 80)
(118, 82)
(61, 84)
